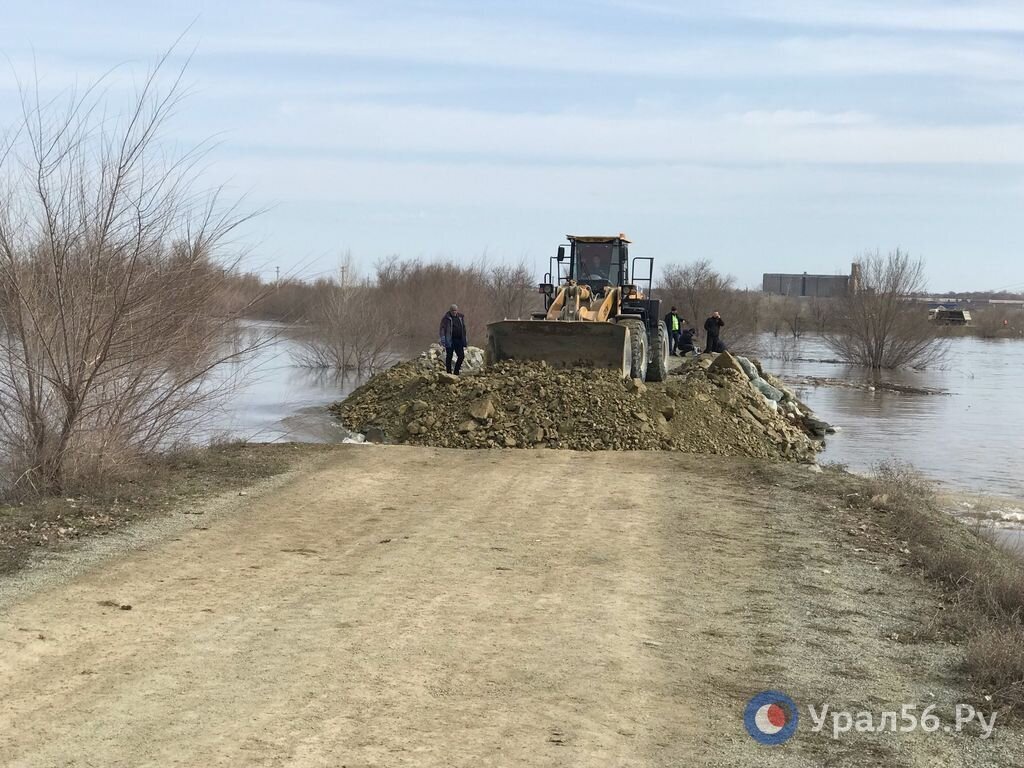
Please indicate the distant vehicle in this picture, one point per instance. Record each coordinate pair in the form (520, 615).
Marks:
(949, 316)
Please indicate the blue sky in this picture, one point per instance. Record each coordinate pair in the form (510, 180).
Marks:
(766, 135)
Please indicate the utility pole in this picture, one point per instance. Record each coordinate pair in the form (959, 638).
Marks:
(277, 278)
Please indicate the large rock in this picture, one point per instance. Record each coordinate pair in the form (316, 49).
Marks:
(433, 358)
(767, 389)
(482, 409)
(726, 361)
(748, 367)
(817, 427)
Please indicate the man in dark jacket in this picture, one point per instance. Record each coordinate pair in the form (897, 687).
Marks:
(674, 323)
(453, 338)
(686, 345)
(712, 327)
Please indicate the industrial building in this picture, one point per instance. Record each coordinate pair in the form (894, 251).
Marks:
(812, 286)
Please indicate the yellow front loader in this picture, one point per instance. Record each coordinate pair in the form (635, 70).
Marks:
(594, 316)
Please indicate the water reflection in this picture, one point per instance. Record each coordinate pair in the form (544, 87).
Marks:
(276, 400)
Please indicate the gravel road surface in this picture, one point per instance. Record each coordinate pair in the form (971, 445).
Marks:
(408, 606)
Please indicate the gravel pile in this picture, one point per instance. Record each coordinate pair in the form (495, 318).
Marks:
(708, 406)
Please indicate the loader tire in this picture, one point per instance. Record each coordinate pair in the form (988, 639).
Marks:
(638, 348)
(657, 369)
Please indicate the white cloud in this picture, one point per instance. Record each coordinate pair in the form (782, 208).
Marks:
(525, 45)
(914, 15)
(796, 118)
(784, 136)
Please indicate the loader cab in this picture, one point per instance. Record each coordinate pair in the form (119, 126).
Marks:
(598, 261)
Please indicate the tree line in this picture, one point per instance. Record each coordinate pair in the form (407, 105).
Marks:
(365, 323)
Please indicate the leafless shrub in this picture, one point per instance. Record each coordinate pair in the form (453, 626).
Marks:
(110, 269)
(364, 326)
(419, 292)
(820, 312)
(785, 315)
(879, 325)
(513, 291)
(996, 322)
(288, 300)
(351, 330)
(697, 289)
(783, 349)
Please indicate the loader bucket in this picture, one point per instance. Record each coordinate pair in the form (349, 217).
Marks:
(561, 343)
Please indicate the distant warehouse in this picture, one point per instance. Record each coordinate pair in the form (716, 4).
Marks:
(813, 286)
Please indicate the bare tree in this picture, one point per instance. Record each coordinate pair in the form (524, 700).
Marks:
(698, 290)
(821, 312)
(110, 273)
(880, 325)
(351, 329)
(513, 291)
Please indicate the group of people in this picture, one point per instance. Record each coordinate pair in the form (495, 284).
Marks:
(454, 338)
(682, 335)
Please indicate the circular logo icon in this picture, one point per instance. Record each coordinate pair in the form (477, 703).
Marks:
(771, 717)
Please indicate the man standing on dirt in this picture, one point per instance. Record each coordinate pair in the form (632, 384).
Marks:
(453, 338)
(674, 323)
(712, 327)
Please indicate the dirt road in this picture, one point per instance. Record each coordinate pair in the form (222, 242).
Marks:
(410, 606)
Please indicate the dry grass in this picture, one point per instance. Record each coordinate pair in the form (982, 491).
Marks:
(984, 585)
(995, 661)
(163, 486)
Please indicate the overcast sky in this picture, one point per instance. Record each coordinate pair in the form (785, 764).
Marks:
(766, 135)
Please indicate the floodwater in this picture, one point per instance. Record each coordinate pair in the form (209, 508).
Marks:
(971, 438)
(274, 399)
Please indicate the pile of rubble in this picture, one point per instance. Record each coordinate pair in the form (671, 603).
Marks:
(710, 405)
(432, 359)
